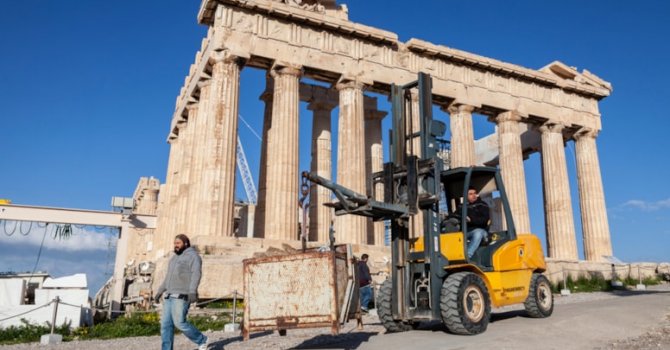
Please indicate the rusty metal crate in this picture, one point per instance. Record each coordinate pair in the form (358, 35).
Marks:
(300, 290)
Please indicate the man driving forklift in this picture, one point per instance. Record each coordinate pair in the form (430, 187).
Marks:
(478, 219)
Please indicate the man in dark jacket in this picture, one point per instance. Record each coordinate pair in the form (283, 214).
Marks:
(477, 218)
(180, 287)
(364, 282)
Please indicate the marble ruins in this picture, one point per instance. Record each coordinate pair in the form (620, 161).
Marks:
(533, 111)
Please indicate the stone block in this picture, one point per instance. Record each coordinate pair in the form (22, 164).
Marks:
(50, 339)
(231, 327)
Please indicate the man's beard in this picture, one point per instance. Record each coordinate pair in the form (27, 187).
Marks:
(178, 251)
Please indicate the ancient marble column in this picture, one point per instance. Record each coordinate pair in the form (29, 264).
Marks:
(160, 222)
(177, 176)
(165, 228)
(374, 162)
(320, 216)
(561, 240)
(218, 174)
(462, 135)
(414, 147)
(413, 124)
(259, 216)
(187, 133)
(351, 158)
(281, 205)
(511, 168)
(196, 193)
(595, 227)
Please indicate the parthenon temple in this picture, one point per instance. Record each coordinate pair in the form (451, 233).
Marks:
(298, 41)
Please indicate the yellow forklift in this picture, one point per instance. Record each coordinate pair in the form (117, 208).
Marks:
(432, 277)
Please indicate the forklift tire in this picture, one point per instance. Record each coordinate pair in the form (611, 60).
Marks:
(540, 301)
(383, 305)
(465, 304)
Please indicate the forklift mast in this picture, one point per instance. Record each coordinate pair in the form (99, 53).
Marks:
(417, 178)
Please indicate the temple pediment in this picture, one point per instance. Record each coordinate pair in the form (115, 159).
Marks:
(311, 5)
(323, 7)
(563, 71)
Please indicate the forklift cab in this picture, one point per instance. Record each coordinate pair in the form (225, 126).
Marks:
(488, 184)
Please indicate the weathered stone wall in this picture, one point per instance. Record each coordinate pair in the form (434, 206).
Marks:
(222, 261)
(141, 240)
(558, 270)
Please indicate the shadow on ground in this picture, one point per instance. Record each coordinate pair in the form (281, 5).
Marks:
(219, 345)
(341, 341)
(438, 326)
(634, 292)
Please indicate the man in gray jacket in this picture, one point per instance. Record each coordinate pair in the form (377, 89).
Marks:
(180, 287)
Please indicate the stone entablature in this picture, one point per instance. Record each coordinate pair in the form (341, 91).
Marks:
(329, 48)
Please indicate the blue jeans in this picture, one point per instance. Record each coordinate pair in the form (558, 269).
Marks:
(366, 296)
(174, 315)
(475, 237)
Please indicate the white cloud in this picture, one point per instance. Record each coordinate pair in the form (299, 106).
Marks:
(647, 206)
(82, 239)
(60, 263)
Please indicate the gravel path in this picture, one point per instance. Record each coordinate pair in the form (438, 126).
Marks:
(655, 338)
(658, 338)
(350, 337)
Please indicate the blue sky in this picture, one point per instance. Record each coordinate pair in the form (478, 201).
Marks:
(87, 90)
